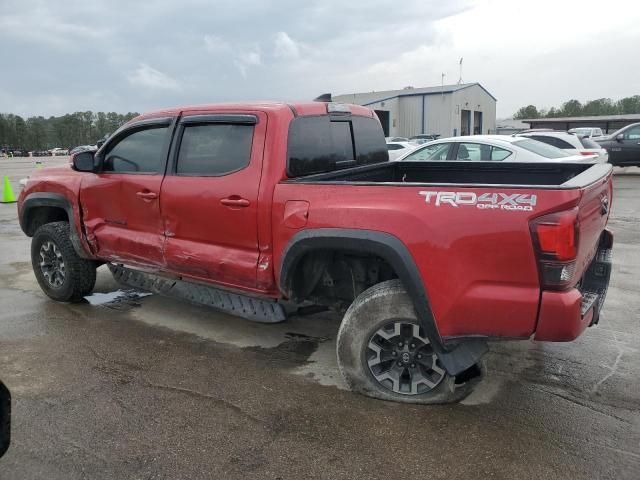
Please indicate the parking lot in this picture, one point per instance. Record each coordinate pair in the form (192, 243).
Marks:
(148, 387)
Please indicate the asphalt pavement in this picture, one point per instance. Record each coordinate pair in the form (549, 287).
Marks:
(147, 387)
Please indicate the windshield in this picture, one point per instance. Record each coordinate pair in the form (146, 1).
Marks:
(542, 149)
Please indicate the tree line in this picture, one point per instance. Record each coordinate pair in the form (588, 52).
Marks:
(66, 131)
(573, 108)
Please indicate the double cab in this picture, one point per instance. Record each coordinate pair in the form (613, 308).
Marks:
(252, 208)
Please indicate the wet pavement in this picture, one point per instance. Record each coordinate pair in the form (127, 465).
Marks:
(147, 387)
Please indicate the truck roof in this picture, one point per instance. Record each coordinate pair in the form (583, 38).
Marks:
(298, 108)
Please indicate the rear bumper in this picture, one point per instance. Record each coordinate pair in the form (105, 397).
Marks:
(563, 316)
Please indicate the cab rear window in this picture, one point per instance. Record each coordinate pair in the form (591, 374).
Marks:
(327, 143)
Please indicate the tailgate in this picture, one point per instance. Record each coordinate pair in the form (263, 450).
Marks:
(593, 214)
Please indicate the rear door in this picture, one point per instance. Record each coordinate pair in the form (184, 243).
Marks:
(120, 204)
(210, 194)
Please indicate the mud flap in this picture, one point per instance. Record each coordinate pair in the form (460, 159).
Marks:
(463, 356)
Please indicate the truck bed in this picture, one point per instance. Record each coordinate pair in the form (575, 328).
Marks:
(540, 175)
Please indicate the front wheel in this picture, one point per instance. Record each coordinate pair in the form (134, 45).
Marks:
(383, 352)
(61, 273)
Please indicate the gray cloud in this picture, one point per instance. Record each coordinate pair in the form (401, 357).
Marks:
(122, 55)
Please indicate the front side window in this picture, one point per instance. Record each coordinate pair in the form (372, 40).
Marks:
(143, 151)
(214, 149)
(632, 134)
(430, 152)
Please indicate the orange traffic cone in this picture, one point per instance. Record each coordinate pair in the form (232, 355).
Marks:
(7, 192)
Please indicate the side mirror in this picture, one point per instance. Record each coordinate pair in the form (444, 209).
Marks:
(99, 143)
(84, 161)
(5, 419)
(620, 137)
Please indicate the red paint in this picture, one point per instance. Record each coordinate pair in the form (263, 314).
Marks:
(479, 267)
(560, 319)
(296, 213)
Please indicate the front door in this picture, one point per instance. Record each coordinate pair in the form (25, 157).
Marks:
(121, 203)
(630, 146)
(209, 198)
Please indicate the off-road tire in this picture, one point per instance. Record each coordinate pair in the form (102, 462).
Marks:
(374, 308)
(80, 274)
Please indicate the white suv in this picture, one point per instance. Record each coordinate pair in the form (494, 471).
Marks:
(588, 132)
(570, 143)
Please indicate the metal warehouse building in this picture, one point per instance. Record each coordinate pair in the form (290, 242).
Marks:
(608, 123)
(448, 110)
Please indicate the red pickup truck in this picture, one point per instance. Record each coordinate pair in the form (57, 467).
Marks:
(250, 207)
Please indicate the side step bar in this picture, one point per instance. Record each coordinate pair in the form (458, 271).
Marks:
(251, 308)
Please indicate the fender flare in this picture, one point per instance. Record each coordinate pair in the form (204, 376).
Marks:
(455, 357)
(47, 199)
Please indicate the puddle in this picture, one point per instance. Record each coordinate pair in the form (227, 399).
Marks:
(322, 367)
(120, 299)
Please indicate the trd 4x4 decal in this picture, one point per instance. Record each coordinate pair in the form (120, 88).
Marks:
(500, 201)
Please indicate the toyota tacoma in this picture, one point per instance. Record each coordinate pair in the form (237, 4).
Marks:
(251, 207)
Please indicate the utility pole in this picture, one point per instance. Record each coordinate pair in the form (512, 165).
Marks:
(460, 79)
(442, 84)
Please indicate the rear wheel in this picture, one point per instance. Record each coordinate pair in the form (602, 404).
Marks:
(61, 273)
(383, 352)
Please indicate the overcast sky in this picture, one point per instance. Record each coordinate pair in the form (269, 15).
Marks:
(115, 55)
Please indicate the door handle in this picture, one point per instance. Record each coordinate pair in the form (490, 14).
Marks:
(147, 195)
(235, 201)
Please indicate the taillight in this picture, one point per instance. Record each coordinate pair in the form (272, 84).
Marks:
(555, 238)
(588, 154)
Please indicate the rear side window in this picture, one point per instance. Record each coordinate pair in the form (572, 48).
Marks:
(323, 144)
(143, 151)
(214, 149)
(556, 142)
(481, 152)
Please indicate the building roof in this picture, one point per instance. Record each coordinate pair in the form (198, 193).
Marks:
(594, 118)
(374, 97)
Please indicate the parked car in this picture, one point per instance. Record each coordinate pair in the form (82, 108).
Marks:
(59, 151)
(396, 139)
(588, 132)
(492, 148)
(397, 149)
(40, 153)
(623, 146)
(570, 143)
(259, 203)
(423, 138)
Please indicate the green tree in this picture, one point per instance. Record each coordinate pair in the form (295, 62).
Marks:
(629, 105)
(572, 108)
(530, 111)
